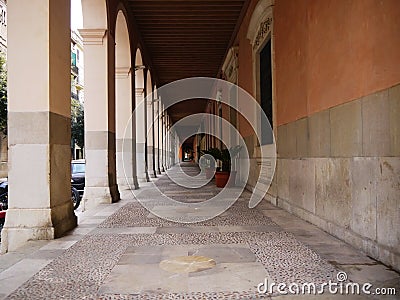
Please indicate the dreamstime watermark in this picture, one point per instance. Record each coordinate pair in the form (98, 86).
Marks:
(227, 95)
(341, 287)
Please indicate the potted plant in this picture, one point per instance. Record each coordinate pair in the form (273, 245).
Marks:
(226, 175)
(210, 167)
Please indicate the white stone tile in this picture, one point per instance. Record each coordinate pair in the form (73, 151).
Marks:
(56, 244)
(16, 275)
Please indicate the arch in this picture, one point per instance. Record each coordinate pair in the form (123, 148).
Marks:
(122, 42)
(99, 42)
(123, 104)
(149, 85)
(139, 73)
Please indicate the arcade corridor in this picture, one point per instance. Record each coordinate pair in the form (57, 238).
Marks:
(298, 101)
(121, 251)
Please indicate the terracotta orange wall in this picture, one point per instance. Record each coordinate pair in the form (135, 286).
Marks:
(333, 51)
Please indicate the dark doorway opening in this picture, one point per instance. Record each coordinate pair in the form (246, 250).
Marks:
(266, 93)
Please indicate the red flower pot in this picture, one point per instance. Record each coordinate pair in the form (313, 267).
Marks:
(221, 178)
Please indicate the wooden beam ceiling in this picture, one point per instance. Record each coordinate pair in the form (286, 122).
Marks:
(187, 38)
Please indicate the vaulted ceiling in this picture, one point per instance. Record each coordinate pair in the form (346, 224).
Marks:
(187, 38)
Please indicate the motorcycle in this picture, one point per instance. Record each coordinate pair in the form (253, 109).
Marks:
(75, 197)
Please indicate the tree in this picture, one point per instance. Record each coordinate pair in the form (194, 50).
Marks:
(3, 95)
(77, 122)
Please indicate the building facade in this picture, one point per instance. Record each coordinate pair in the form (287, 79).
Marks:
(3, 26)
(77, 84)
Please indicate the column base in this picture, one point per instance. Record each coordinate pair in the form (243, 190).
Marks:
(126, 183)
(136, 183)
(23, 225)
(144, 178)
(13, 238)
(147, 177)
(94, 196)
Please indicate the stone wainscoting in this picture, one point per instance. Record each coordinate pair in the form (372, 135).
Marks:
(340, 170)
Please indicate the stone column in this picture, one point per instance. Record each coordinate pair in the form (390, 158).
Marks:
(160, 137)
(168, 163)
(150, 137)
(163, 139)
(176, 149)
(214, 126)
(155, 129)
(172, 148)
(212, 129)
(161, 130)
(145, 128)
(140, 136)
(100, 183)
(39, 126)
(124, 128)
(165, 142)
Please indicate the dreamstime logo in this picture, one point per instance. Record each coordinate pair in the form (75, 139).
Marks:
(252, 116)
(340, 287)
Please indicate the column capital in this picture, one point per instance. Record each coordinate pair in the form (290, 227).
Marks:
(93, 36)
(139, 91)
(122, 72)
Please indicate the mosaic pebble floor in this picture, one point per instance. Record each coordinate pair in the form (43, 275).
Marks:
(241, 239)
(81, 270)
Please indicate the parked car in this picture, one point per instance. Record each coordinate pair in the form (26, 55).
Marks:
(4, 194)
(78, 178)
(3, 202)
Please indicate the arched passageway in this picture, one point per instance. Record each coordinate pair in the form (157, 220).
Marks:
(101, 182)
(124, 104)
